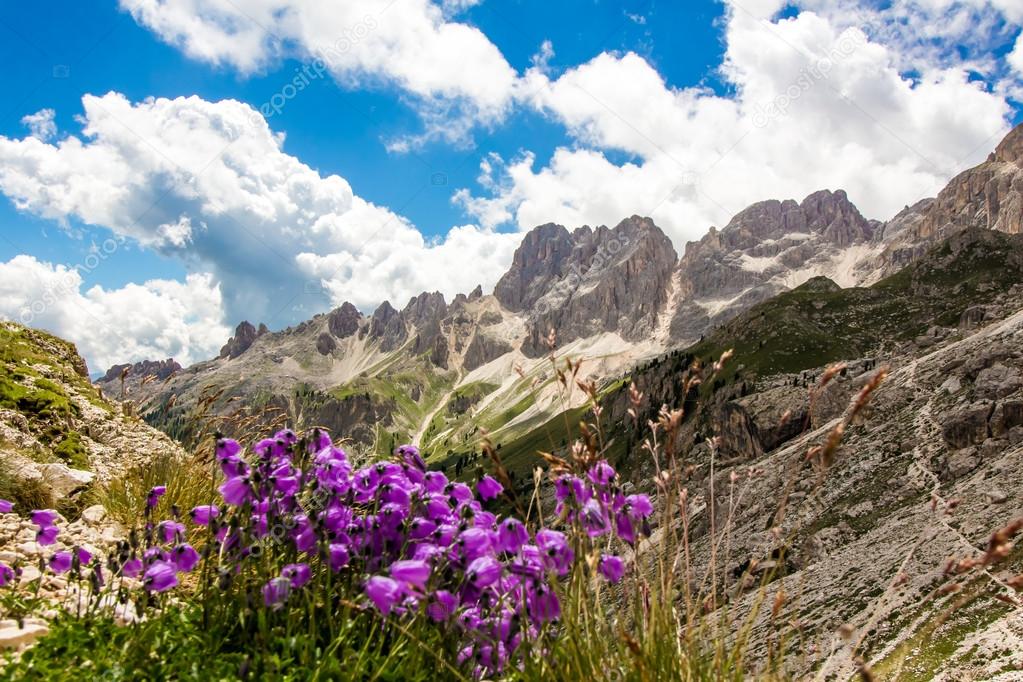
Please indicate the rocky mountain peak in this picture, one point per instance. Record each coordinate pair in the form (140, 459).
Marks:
(536, 264)
(244, 336)
(832, 215)
(158, 369)
(344, 321)
(597, 280)
(386, 324)
(1010, 150)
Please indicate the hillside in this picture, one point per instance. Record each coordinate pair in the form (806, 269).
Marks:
(58, 434)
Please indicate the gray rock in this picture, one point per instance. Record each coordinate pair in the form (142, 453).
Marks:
(998, 381)
(244, 336)
(344, 321)
(966, 426)
(63, 480)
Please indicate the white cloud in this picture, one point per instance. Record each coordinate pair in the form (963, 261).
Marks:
(816, 106)
(41, 124)
(1015, 57)
(154, 320)
(411, 44)
(209, 183)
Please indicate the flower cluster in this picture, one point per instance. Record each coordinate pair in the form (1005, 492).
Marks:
(410, 540)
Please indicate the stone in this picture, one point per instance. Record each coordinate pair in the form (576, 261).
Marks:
(29, 574)
(1007, 415)
(962, 462)
(992, 447)
(94, 515)
(1016, 435)
(325, 344)
(966, 426)
(998, 381)
(952, 385)
(17, 638)
(63, 480)
(483, 349)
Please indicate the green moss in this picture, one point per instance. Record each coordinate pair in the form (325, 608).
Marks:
(72, 452)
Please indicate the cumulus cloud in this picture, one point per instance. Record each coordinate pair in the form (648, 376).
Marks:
(1016, 56)
(209, 183)
(41, 124)
(445, 65)
(155, 319)
(816, 106)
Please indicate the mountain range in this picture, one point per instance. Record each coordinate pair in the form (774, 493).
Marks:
(438, 372)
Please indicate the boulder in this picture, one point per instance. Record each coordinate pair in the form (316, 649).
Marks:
(967, 426)
(63, 480)
(998, 381)
(1007, 415)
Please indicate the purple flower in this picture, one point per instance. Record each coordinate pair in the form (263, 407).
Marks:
(276, 592)
(383, 592)
(474, 542)
(6, 507)
(227, 448)
(511, 535)
(132, 568)
(236, 491)
(640, 506)
(435, 482)
(413, 572)
(611, 567)
(339, 557)
(297, 574)
(543, 604)
(442, 606)
(153, 498)
(601, 473)
(44, 517)
(410, 456)
(203, 514)
(483, 572)
(60, 562)
(47, 535)
(84, 556)
(556, 552)
(594, 520)
(170, 530)
(489, 488)
(160, 577)
(6, 574)
(185, 557)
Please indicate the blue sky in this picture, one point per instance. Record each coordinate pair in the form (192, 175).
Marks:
(486, 116)
(73, 49)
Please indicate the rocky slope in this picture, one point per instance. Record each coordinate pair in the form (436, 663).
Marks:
(60, 440)
(58, 434)
(930, 472)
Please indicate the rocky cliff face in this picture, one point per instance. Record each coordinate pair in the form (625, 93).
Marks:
(244, 336)
(589, 281)
(770, 247)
